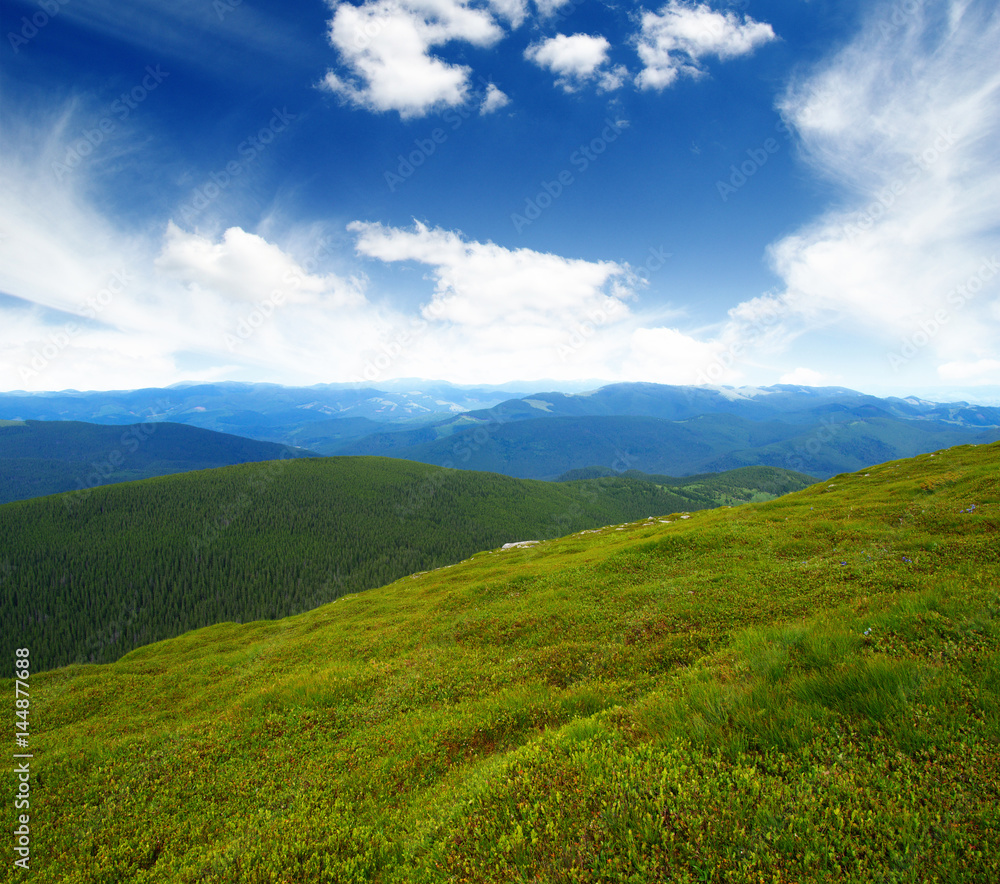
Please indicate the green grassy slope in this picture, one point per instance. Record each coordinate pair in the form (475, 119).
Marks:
(802, 690)
(92, 576)
(48, 457)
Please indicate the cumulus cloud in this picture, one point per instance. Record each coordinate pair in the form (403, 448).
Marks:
(576, 60)
(385, 49)
(495, 310)
(245, 267)
(513, 11)
(673, 41)
(905, 119)
(389, 55)
(493, 100)
(478, 285)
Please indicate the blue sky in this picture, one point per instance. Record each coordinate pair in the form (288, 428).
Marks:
(735, 192)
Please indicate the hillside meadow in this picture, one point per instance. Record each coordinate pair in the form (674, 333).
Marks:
(92, 576)
(801, 690)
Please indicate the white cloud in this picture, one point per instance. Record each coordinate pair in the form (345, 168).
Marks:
(982, 371)
(905, 119)
(670, 356)
(576, 60)
(168, 304)
(385, 47)
(493, 100)
(610, 79)
(98, 306)
(53, 250)
(905, 123)
(673, 41)
(388, 57)
(245, 267)
(513, 11)
(480, 285)
(548, 8)
(495, 311)
(577, 55)
(805, 377)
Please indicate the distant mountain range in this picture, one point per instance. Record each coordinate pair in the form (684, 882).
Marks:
(545, 448)
(46, 457)
(792, 404)
(683, 430)
(652, 428)
(269, 412)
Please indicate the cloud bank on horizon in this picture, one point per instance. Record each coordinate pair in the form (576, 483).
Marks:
(140, 248)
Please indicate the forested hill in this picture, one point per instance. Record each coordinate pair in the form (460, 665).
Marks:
(46, 457)
(741, 485)
(89, 577)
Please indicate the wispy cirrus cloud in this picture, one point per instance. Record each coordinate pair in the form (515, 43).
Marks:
(548, 8)
(214, 35)
(905, 119)
(90, 303)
